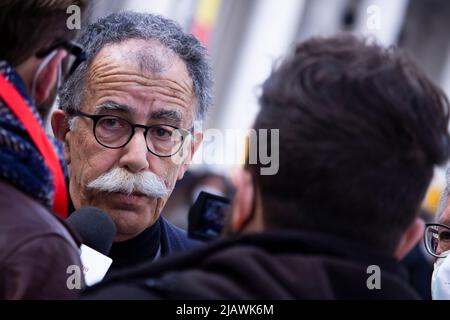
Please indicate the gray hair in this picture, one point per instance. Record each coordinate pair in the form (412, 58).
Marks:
(444, 196)
(118, 27)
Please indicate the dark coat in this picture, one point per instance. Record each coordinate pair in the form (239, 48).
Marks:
(36, 249)
(174, 239)
(281, 265)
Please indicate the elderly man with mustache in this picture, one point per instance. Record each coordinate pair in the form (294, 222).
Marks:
(126, 121)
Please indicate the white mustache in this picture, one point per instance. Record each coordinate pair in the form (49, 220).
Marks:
(121, 180)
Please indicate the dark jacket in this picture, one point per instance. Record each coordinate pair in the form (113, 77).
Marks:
(174, 239)
(35, 249)
(276, 265)
(420, 271)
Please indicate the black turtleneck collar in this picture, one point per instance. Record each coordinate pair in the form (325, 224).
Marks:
(142, 248)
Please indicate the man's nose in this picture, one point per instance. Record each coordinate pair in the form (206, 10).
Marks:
(135, 154)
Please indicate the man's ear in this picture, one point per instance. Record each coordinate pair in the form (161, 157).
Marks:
(48, 76)
(193, 146)
(410, 238)
(60, 126)
(243, 200)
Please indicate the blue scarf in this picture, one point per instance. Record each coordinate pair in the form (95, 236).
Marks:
(21, 164)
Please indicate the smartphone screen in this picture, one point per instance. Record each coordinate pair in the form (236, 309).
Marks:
(208, 216)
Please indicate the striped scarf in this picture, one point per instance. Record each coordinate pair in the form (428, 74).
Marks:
(21, 164)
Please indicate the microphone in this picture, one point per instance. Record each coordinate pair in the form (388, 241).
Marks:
(97, 232)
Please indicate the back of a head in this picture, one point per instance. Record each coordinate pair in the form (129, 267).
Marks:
(361, 129)
(32, 25)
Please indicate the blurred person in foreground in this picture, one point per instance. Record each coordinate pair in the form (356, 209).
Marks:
(36, 247)
(361, 129)
(127, 124)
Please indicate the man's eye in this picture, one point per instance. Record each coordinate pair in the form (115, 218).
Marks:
(444, 236)
(111, 123)
(160, 133)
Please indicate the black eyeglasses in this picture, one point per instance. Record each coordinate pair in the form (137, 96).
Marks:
(437, 239)
(115, 132)
(72, 61)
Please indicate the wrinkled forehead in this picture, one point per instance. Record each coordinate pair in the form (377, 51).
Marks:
(138, 67)
(147, 57)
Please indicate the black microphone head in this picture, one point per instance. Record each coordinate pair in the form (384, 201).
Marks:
(95, 228)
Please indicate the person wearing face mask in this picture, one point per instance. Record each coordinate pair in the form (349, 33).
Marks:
(36, 247)
(437, 244)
